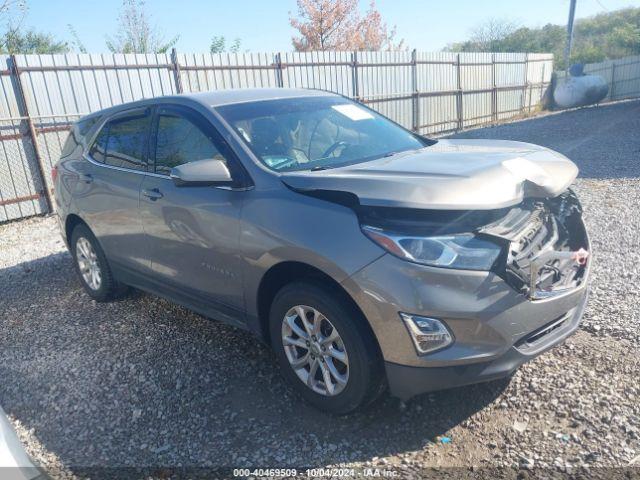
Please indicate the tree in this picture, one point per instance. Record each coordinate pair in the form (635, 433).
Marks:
(625, 37)
(605, 36)
(488, 35)
(337, 25)
(372, 33)
(219, 45)
(76, 42)
(16, 41)
(135, 32)
(8, 8)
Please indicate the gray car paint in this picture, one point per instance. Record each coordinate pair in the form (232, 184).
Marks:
(483, 312)
(452, 174)
(209, 248)
(110, 203)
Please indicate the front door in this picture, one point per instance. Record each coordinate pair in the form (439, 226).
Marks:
(192, 231)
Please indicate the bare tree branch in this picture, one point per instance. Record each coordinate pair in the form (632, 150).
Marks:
(135, 33)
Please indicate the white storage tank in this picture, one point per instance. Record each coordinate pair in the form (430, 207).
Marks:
(579, 90)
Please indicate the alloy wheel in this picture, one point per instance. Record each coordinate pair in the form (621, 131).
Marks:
(315, 350)
(88, 263)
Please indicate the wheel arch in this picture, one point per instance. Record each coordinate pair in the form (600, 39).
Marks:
(72, 221)
(287, 272)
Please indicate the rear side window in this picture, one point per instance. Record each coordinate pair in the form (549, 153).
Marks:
(127, 142)
(181, 140)
(77, 135)
(99, 149)
(122, 142)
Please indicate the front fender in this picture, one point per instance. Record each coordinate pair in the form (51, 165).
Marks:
(283, 225)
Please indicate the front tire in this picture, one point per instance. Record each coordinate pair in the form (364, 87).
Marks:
(324, 348)
(92, 266)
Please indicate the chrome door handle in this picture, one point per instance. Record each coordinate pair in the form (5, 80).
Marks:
(153, 194)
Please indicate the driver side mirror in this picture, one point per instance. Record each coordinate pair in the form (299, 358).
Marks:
(209, 172)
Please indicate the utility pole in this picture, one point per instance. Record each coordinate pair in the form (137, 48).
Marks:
(567, 48)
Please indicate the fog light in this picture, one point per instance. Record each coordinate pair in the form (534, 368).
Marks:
(428, 334)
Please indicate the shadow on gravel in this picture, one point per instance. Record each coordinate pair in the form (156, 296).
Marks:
(602, 140)
(141, 382)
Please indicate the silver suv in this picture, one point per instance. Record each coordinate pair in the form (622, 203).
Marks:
(364, 254)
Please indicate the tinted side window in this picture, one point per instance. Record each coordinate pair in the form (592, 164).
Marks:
(99, 149)
(126, 144)
(77, 134)
(181, 140)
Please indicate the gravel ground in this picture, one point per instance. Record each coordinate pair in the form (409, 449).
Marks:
(141, 382)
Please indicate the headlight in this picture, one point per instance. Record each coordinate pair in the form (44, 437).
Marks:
(461, 251)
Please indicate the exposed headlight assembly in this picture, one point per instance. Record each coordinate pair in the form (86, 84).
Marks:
(461, 251)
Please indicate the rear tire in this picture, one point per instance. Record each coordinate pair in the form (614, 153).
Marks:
(336, 344)
(92, 267)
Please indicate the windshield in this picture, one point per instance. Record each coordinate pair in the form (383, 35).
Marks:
(316, 132)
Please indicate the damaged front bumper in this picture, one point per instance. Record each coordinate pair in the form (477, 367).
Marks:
(499, 319)
(548, 246)
(407, 381)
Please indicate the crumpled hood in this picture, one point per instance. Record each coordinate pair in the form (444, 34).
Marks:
(452, 175)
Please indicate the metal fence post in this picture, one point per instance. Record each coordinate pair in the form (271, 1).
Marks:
(176, 70)
(22, 101)
(494, 91)
(613, 81)
(354, 75)
(414, 88)
(459, 107)
(279, 76)
(524, 83)
(544, 64)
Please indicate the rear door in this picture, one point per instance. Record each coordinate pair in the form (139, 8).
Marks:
(108, 196)
(193, 231)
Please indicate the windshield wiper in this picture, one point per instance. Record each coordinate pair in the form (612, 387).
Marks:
(317, 168)
(391, 154)
(396, 152)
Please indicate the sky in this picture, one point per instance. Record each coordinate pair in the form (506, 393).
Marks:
(263, 25)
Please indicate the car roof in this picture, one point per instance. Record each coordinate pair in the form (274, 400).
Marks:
(217, 98)
(241, 95)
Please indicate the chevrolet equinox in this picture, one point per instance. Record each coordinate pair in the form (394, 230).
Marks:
(365, 255)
